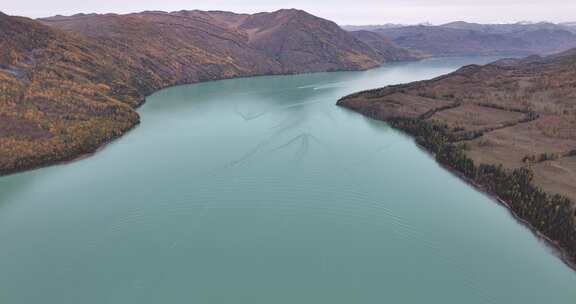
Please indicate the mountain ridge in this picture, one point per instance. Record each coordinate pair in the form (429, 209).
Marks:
(266, 32)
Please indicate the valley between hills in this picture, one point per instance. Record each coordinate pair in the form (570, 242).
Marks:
(69, 84)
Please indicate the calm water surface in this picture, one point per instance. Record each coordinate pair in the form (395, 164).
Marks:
(261, 190)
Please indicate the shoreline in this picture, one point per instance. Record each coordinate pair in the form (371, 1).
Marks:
(101, 146)
(77, 157)
(556, 249)
(73, 157)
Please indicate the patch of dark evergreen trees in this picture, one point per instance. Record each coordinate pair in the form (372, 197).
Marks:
(551, 215)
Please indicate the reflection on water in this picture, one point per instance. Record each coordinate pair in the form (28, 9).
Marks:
(261, 190)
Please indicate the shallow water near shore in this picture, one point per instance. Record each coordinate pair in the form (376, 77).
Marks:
(261, 190)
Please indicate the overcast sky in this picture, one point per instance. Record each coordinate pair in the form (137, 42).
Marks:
(343, 12)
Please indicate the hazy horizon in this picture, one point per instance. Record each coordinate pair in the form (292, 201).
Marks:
(364, 12)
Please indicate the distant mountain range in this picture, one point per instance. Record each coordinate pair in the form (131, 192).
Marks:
(505, 28)
(464, 39)
(69, 84)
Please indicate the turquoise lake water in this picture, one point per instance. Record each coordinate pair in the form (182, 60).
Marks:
(261, 190)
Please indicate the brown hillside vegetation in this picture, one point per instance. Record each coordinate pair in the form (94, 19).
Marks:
(60, 95)
(285, 41)
(70, 84)
(509, 126)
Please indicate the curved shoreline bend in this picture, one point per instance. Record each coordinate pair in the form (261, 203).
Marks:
(93, 145)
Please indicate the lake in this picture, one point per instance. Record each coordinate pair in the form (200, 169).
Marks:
(261, 190)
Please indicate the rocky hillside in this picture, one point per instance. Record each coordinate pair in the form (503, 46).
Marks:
(508, 126)
(285, 41)
(300, 42)
(70, 84)
(385, 47)
(466, 39)
(177, 48)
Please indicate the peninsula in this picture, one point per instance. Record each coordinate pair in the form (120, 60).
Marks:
(507, 127)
